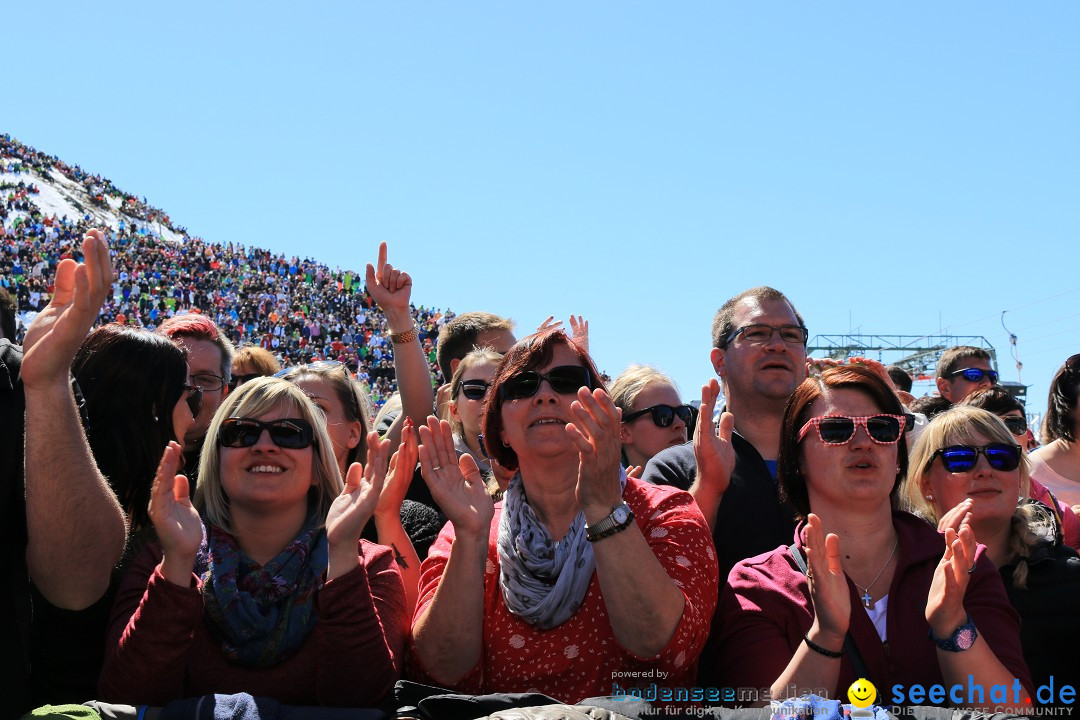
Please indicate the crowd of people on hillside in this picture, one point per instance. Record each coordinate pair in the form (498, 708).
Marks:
(192, 512)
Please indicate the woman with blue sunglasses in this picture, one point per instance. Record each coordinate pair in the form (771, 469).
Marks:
(260, 583)
(581, 579)
(967, 468)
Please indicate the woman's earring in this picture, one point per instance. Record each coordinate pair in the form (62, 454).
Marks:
(930, 498)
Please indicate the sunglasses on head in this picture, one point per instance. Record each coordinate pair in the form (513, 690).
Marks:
(664, 415)
(1017, 425)
(290, 433)
(976, 374)
(474, 389)
(564, 379)
(194, 399)
(840, 429)
(1073, 363)
(961, 458)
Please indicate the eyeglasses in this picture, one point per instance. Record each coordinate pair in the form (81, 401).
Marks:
(208, 381)
(961, 458)
(664, 415)
(564, 379)
(194, 399)
(290, 433)
(761, 334)
(237, 380)
(840, 429)
(976, 375)
(1017, 425)
(474, 389)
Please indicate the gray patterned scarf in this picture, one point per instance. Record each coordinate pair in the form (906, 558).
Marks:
(543, 581)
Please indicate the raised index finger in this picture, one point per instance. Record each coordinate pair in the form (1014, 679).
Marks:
(382, 257)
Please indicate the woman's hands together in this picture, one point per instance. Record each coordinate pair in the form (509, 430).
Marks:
(595, 432)
(828, 586)
(456, 484)
(353, 508)
(945, 603)
(178, 526)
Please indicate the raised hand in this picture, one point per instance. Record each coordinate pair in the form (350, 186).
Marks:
(391, 289)
(56, 333)
(178, 526)
(828, 585)
(456, 484)
(400, 473)
(713, 450)
(353, 508)
(595, 432)
(945, 602)
(956, 517)
(579, 330)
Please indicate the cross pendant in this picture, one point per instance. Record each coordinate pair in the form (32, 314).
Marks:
(867, 601)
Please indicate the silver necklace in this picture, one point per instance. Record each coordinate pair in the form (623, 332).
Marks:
(867, 601)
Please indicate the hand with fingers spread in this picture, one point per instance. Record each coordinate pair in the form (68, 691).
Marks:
(177, 523)
(549, 324)
(457, 485)
(713, 452)
(579, 331)
(945, 602)
(56, 333)
(391, 290)
(595, 433)
(828, 585)
(399, 474)
(353, 508)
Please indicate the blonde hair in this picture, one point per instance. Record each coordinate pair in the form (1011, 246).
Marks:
(254, 399)
(628, 385)
(257, 359)
(479, 356)
(957, 426)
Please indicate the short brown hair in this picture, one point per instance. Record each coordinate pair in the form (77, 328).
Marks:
(259, 359)
(528, 354)
(950, 359)
(797, 413)
(457, 338)
(723, 322)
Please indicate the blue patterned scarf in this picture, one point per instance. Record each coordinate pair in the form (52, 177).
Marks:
(261, 615)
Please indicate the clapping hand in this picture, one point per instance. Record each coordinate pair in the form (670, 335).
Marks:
(56, 333)
(945, 603)
(353, 508)
(713, 451)
(595, 432)
(400, 474)
(456, 484)
(828, 584)
(177, 523)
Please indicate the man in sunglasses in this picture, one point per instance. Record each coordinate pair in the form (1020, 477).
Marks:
(962, 370)
(210, 357)
(759, 354)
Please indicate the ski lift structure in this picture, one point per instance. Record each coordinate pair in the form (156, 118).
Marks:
(917, 354)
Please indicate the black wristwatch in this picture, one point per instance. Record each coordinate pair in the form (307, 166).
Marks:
(620, 518)
(962, 638)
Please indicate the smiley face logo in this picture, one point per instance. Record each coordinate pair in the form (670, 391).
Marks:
(862, 693)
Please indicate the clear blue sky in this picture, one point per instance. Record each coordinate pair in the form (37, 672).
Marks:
(892, 167)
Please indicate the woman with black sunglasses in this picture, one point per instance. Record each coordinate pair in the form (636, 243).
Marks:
(654, 417)
(1057, 463)
(967, 468)
(468, 392)
(864, 591)
(581, 577)
(261, 584)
